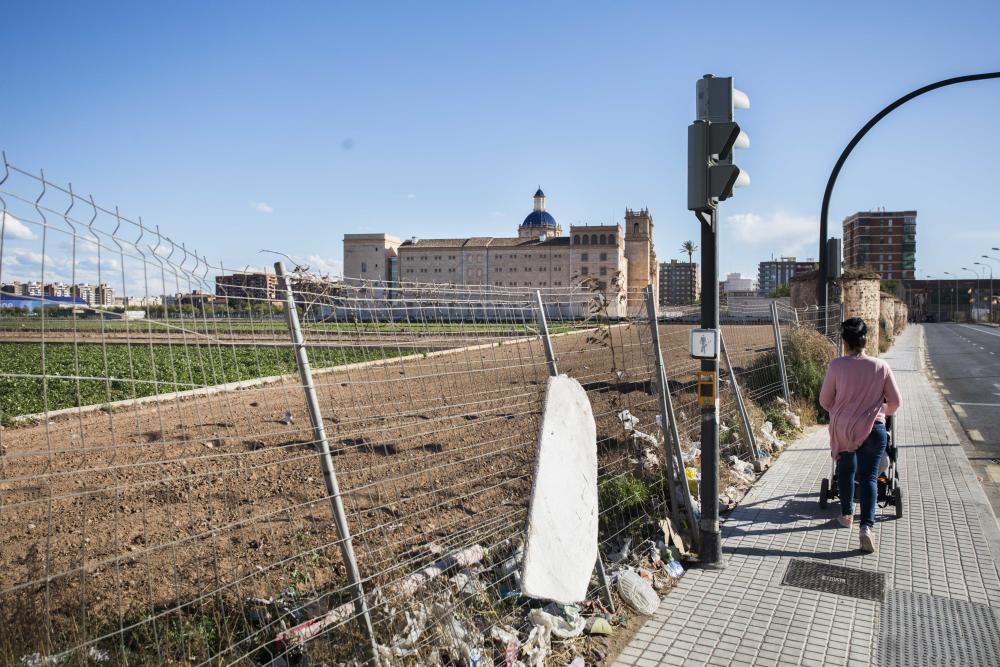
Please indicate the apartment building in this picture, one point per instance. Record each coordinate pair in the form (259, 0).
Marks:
(884, 241)
(680, 283)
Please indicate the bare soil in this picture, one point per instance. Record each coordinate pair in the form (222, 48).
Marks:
(118, 528)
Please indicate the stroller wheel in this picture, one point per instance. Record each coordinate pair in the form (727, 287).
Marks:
(898, 498)
(824, 492)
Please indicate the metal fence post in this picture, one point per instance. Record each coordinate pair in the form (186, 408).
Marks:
(680, 493)
(543, 330)
(780, 351)
(741, 406)
(326, 461)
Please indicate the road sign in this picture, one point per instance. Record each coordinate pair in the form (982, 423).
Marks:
(704, 343)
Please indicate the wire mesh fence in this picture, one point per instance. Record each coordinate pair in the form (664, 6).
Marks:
(165, 479)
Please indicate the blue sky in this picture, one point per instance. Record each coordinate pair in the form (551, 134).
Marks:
(241, 126)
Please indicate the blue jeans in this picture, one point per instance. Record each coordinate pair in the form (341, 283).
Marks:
(863, 463)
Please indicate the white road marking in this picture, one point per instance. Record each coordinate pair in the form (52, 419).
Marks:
(980, 330)
(975, 435)
(978, 405)
(959, 410)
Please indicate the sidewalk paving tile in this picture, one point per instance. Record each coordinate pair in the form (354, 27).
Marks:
(743, 614)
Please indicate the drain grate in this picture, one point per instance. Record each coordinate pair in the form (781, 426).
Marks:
(922, 629)
(835, 579)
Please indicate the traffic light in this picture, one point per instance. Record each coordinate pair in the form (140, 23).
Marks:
(711, 140)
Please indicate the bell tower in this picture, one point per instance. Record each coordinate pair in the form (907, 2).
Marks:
(642, 269)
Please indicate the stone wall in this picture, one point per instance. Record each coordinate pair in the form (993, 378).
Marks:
(887, 314)
(902, 316)
(861, 298)
(802, 290)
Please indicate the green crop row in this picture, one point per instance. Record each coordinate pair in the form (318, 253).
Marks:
(72, 376)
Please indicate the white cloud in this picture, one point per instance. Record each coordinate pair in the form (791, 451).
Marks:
(324, 265)
(262, 207)
(15, 229)
(780, 232)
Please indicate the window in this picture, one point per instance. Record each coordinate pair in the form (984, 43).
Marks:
(593, 239)
(583, 270)
(557, 268)
(527, 269)
(584, 257)
(498, 268)
(604, 239)
(635, 228)
(576, 239)
(364, 267)
(541, 268)
(611, 239)
(604, 270)
(604, 256)
(558, 283)
(586, 239)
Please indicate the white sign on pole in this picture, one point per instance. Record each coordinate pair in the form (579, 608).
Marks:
(704, 343)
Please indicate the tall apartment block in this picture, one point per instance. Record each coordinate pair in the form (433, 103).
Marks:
(773, 274)
(256, 286)
(680, 283)
(884, 241)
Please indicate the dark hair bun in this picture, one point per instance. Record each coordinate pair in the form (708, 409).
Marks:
(854, 331)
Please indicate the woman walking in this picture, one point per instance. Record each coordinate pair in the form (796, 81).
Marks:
(859, 392)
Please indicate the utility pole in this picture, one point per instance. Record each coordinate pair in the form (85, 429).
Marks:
(711, 179)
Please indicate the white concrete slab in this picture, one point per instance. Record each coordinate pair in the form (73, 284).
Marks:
(561, 546)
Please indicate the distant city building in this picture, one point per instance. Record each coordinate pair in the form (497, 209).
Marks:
(104, 295)
(607, 257)
(680, 283)
(735, 283)
(253, 286)
(57, 289)
(884, 241)
(773, 274)
(83, 292)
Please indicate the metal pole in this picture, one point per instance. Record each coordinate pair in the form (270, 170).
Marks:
(741, 406)
(711, 539)
(543, 329)
(780, 351)
(550, 357)
(680, 493)
(329, 475)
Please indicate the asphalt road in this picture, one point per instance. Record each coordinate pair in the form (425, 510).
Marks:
(966, 364)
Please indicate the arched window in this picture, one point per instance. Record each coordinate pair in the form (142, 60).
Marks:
(604, 239)
(576, 240)
(611, 239)
(635, 228)
(586, 239)
(593, 239)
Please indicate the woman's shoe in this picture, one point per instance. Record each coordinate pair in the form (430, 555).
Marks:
(845, 520)
(867, 539)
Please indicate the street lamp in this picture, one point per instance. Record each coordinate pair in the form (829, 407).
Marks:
(975, 297)
(990, 267)
(991, 259)
(929, 277)
(954, 300)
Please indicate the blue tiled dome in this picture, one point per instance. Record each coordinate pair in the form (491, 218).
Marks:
(539, 219)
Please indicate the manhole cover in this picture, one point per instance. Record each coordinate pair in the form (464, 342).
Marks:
(835, 579)
(922, 629)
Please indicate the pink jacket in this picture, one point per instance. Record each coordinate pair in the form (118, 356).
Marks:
(857, 392)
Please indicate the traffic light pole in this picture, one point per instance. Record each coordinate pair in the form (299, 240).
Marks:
(711, 542)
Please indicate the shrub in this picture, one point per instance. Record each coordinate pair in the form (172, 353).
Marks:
(807, 355)
(623, 494)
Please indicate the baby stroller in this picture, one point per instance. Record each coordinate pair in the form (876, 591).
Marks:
(889, 492)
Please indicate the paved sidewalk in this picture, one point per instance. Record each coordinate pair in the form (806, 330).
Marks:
(942, 604)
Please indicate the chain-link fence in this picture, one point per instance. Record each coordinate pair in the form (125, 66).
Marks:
(202, 465)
